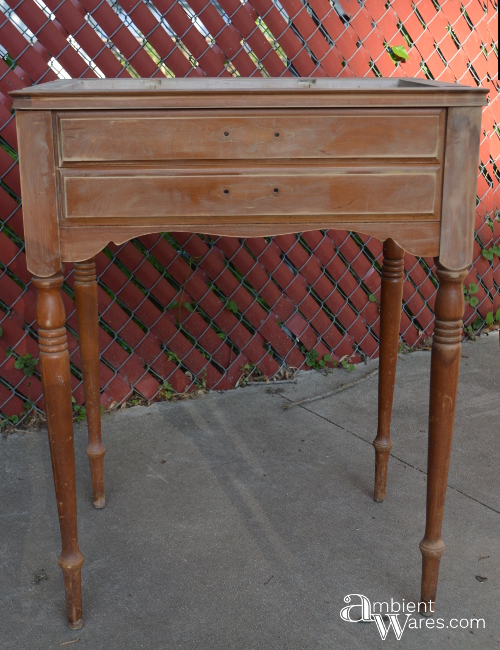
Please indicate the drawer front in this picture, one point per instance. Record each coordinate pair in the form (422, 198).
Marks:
(115, 198)
(119, 137)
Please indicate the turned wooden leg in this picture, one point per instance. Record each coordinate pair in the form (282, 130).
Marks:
(54, 364)
(390, 318)
(445, 366)
(88, 336)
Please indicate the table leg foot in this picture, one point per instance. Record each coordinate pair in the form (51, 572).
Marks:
(95, 455)
(445, 367)
(77, 625)
(88, 336)
(382, 452)
(391, 300)
(431, 557)
(56, 384)
(72, 569)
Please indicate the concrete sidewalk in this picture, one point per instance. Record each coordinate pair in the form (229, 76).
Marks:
(233, 524)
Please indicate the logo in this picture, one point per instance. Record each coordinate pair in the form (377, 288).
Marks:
(364, 612)
(398, 616)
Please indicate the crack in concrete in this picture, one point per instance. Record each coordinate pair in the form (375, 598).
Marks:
(452, 487)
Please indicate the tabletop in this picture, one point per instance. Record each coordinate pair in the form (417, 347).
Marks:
(242, 92)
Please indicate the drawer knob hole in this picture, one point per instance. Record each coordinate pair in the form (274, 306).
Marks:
(276, 190)
(277, 135)
(226, 133)
(226, 191)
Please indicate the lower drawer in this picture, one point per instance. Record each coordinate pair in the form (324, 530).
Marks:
(117, 197)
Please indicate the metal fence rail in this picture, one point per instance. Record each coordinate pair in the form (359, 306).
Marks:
(180, 312)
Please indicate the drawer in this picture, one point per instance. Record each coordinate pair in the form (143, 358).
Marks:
(387, 194)
(126, 137)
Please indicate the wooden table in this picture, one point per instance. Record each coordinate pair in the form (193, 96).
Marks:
(108, 160)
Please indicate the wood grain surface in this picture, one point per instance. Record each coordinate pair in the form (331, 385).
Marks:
(232, 198)
(119, 136)
(38, 187)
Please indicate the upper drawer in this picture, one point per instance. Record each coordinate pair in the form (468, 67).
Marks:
(160, 136)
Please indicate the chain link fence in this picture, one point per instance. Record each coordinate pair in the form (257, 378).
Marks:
(180, 312)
